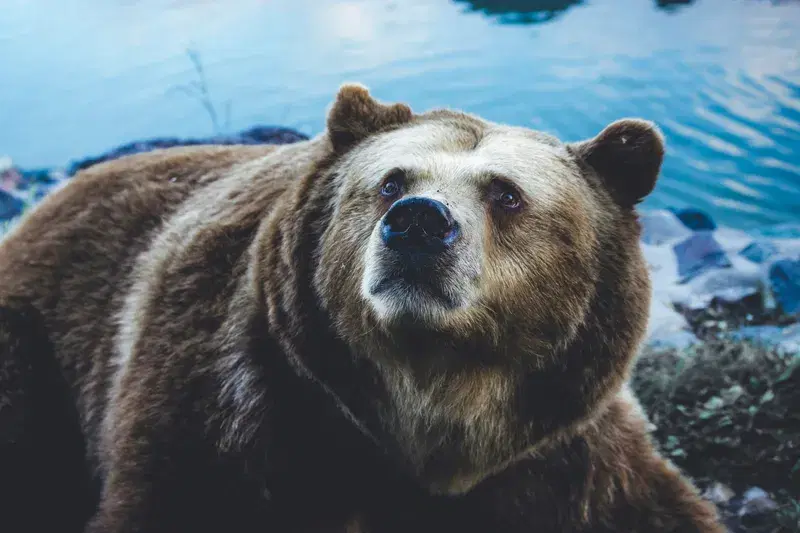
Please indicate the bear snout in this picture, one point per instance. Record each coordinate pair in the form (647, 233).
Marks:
(419, 225)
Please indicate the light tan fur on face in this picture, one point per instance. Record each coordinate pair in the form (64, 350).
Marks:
(453, 164)
(502, 269)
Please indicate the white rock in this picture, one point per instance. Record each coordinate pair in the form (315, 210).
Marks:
(662, 227)
(727, 284)
(731, 240)
(719, 493)
(756, 502)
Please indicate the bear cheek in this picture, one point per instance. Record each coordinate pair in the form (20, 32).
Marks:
(563, 271)
(342, 260)
(538, 282)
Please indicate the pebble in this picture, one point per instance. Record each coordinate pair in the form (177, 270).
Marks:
(662, 227)
(756, 503)
(699, 253)
(10, 206)
(719, 494)
(695, 219)
(728, 285)
(759, 251)
(750, 512)
(784, 275)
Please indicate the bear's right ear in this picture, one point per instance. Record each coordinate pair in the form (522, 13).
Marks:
(627, 156)
(355, 115)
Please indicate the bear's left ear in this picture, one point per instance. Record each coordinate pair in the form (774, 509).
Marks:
(627, 156)
(355, 115)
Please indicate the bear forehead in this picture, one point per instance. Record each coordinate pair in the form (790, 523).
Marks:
(446, 152)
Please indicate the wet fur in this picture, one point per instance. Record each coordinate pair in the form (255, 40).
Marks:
(204, 306)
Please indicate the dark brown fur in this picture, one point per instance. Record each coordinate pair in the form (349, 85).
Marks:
(41, 448)
(262, 396)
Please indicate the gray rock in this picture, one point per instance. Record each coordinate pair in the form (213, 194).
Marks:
(784, 278)
(10, 206)
(759, 251)
(662, 226)
(719, 494)
(699, 253)
(755, 503)
(728, 285)
(695, 219)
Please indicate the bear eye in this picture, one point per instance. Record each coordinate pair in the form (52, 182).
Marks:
(509, 200)
(505, 195)
(393, 184)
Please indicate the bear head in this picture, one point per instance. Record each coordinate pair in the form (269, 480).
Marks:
(489, 275)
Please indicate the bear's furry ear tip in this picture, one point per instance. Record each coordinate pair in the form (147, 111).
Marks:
(352, 89)
(350, 109)
(351, 96)
(635, 132)
(355, 115)
(627, 154)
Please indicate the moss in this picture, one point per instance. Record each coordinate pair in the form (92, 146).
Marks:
(729, 412)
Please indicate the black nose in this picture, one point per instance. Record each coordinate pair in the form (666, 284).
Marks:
(417, 224)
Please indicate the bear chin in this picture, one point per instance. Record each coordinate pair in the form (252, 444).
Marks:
(411, 295)
(399, 302)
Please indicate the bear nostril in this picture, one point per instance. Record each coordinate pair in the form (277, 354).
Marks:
(399, 220)
(418, 224)
(435, 224)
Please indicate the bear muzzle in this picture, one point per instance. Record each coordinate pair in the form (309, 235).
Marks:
(417, 226)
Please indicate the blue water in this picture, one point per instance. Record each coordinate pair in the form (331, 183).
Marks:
(721, 77)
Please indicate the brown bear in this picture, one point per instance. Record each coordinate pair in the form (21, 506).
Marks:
(411, 322)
